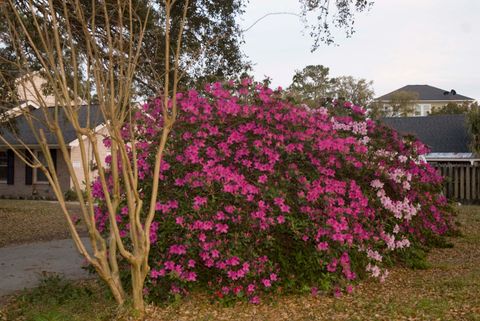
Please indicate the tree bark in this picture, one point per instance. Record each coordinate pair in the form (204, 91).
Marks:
(138, 278)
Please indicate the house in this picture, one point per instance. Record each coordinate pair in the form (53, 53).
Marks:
(446, 135)
(28, 86)
(21, 181)
(421, 99)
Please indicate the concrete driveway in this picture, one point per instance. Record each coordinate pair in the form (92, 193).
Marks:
(21, 266)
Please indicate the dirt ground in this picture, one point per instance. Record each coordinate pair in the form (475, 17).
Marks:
(26, 221)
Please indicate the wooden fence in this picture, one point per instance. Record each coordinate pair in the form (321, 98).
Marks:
(462, 181)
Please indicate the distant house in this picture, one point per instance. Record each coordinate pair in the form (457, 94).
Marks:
(31, 88)
(427, 98)
(20, 180)
(446, 135)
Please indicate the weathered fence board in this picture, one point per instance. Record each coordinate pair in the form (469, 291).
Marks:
(474, 181)
(462, 181)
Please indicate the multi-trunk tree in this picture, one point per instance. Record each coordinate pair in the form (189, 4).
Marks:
(85, 64)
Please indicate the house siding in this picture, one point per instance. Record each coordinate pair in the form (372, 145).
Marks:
(435, 105)
(43, 190)
(76, 157)
(30, 86)
(21, 190)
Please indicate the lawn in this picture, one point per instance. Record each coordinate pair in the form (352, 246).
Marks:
(23, 221)
(449, 289)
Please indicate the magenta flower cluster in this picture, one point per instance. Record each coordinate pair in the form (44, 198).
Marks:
(259, 194)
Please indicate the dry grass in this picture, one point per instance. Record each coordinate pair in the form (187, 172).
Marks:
(448, 290)
(23, 221)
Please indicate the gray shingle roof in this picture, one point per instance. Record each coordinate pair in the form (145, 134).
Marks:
(22, 130)
(442, 133)
(426, 92)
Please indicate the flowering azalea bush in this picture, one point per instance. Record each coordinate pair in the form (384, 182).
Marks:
(259, 194)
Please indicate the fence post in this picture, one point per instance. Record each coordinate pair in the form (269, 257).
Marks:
(467, 179)
(455, 182)
(443, 172)
(450, 181)
(462, 182)
(474, 182)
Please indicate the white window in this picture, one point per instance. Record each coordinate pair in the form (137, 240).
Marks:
(422, 109)
(38, 175)
(427, 108)
(3, 166)
(388, 110)
(418, 110)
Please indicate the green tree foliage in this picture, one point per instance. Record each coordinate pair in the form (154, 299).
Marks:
(313, 86)
(358, 91)
(325, 14)
(377, 110)
(210, 45)
(8, 97)
(401, 103)
(473, 124)
(453, 108)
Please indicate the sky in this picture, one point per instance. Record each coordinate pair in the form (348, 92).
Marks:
(396, 43)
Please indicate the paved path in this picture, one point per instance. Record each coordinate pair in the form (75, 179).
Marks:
(22, 265)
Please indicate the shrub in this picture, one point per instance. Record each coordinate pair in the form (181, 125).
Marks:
(259, 194)
(71, 196)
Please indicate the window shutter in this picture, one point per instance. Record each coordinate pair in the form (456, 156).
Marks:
(28, 169)
(53, 153)
(10, 167)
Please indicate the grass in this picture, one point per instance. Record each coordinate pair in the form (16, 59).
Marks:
(449, 289)
(57, 299)
(24, 221)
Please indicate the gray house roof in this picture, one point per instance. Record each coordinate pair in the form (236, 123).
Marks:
(426, 92)
(442, 133)
(19, 129)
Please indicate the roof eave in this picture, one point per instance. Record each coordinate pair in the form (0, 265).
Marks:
(429, 100)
